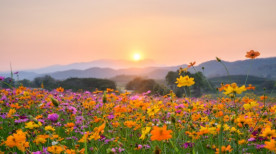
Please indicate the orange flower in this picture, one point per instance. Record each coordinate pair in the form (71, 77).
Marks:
(160, 134)
(191, 64)
(69, 125)
(263, 97)
(271, 145)
(59, 89)
(224, 149)
(55, 149)
(250, 87)
(130, 124)
(252, 54)
(17, 139)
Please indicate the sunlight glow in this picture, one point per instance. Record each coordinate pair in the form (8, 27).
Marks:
(137, 57)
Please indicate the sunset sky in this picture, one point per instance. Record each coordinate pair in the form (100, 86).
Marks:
(39, 33)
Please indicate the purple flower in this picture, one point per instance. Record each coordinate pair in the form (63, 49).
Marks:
(188, 145)
(121, 150)
(260, 146)
(45, 150)
(53, 117)
(16, 72)
(113, 150)
(73, 109)
(4, 97)
(251, 139)
(146, 146)
(21, 120)
(110, 116)
(2, 78)
(37, 152)
(139, 146)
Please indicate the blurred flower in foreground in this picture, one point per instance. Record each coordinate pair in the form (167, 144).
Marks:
(271, 145)
(160, 134)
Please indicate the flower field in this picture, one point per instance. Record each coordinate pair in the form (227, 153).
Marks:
(39, 121)
(61, 121)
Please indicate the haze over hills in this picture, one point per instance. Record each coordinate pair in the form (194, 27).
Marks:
(261, 67)
(103, 63)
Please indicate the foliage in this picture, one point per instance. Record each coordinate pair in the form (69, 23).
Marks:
(200, 86)
(141, 85)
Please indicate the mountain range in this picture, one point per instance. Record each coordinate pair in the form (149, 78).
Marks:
(261, 67)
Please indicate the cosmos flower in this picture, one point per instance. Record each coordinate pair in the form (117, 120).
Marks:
(2, 78)
(185, 81)
(53, 117)
(18, 140)
(59, 89)
(234, 89)
(224, 149)
(160, 133)
(252, 54)
(55, 149)
(268, 132)
(270, 145)
(145, 131)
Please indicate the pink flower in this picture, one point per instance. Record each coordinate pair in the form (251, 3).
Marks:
(53, 117)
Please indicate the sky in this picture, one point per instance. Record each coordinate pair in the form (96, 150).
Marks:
(36, 34)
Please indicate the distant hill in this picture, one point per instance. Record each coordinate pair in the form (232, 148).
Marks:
(261, 67)
(104, 63)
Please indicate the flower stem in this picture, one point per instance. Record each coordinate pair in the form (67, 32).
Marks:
(248, 73)
(228, 74)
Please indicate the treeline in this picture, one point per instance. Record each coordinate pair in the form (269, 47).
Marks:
(49, 83)
(141, 85)
(201, 85)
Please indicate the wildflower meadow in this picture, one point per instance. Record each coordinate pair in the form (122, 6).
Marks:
(38, 121)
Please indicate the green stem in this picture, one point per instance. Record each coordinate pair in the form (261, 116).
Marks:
(248, 74)
(189, 91)
(228, 74)
(175, 148)
(7, 84)
(195, 69)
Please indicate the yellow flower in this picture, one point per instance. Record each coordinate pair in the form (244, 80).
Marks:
(55, 149)
(268, 133)
(145, 131)
(250, 105)
(184, 81)
(32, 125)
(50, 128)
(41, 139)
(270, 145)
(234, 89)
(153, 110)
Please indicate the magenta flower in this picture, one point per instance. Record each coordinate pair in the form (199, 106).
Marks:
(53, 117)
(2, 78)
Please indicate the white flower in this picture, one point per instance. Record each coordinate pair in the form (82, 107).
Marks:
(54, 142)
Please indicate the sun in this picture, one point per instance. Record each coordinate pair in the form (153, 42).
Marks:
(137, 57)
